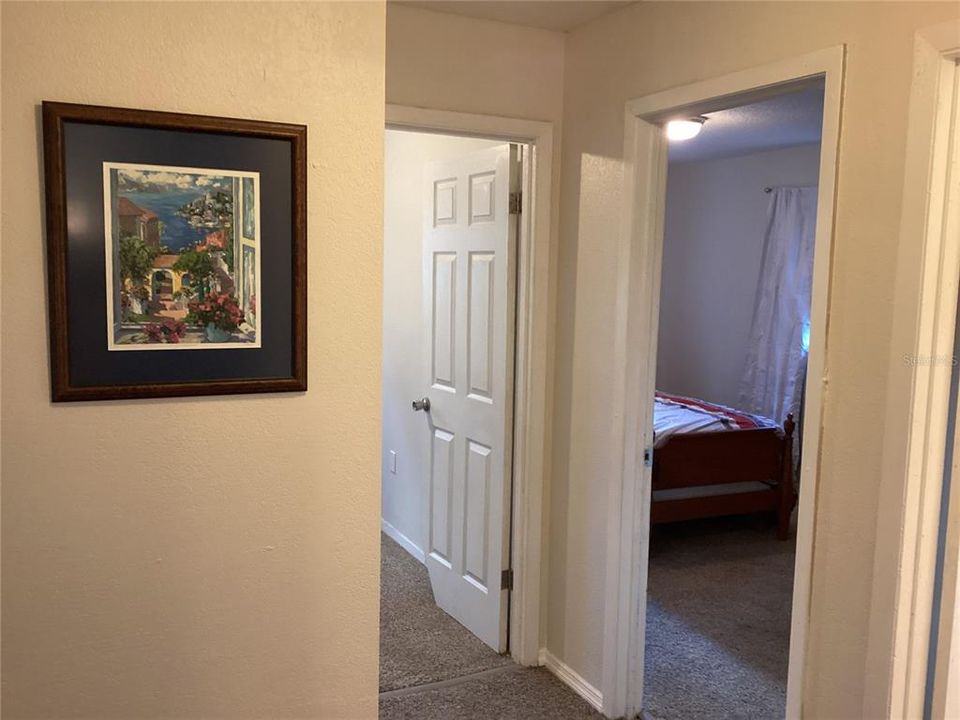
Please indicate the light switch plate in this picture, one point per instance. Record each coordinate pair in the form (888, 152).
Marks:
(393, 462)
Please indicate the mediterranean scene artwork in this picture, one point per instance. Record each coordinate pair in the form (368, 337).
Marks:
(182, 257)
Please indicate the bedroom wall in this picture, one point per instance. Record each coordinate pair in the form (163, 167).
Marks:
(651, 46)
(404, 493)
(198, 557)
(713, 240)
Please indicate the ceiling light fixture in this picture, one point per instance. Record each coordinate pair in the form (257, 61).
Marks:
(685, 129)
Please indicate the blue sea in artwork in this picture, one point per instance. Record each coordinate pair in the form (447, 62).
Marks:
(178, 233)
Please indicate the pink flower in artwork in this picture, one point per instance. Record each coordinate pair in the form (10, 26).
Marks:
(154, 334)
(169, 330)
(219, 309)
(174, 328)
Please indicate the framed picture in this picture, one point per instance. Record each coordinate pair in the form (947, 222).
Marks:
(176, 248)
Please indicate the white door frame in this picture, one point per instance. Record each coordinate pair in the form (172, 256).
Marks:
(528, 559)
(945, 699)
(637, 314)
(918, 387)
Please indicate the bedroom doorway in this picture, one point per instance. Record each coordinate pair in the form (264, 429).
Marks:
(450, 239)
(740, 215)
(466, 244)
(450, 242)
(710, 479)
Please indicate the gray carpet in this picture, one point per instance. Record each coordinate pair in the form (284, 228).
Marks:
(718, 621)
(515, 693)
(419, 643)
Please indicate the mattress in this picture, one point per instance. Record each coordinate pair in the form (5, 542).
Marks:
(676, 414)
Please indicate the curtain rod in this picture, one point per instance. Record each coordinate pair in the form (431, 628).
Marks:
(794, 187)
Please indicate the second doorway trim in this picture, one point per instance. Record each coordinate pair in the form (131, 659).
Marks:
(638, 291)
(904, 651)
(528, 556)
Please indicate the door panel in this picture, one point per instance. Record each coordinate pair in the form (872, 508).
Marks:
(441, 506)
(445, 202)
(477, 514)
(479, 340)
(468, 261)
(444, 305)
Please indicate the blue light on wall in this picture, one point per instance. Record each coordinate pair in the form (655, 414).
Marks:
(805, 336)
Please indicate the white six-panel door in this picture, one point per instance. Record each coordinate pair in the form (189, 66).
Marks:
(468, 270)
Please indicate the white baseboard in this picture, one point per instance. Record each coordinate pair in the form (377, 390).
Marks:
(402, 540)
(572, 679)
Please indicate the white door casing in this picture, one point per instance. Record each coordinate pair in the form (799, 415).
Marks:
(638, 292)
(469, 268)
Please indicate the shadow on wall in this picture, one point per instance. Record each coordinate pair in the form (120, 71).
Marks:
(578, 518)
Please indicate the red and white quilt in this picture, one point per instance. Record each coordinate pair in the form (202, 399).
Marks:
(673, 414)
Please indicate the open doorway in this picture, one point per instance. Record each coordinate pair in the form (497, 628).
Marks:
(733, 338)
(720, 461)
(464, 252)
(449, 306)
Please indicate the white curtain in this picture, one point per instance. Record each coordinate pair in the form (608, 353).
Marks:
(776, 360)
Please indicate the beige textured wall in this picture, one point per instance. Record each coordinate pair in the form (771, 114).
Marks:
(653, 46)
(448, 62)
(216, 557)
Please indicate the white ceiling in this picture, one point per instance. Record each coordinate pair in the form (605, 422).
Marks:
(778, 122)
(561, 16)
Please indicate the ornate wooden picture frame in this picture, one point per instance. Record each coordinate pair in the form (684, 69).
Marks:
(176, 253)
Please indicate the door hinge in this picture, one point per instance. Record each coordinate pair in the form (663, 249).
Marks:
(516, 202)
(648, 457)
(506, 580)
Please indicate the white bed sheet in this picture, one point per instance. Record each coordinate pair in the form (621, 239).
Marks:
(670, 419)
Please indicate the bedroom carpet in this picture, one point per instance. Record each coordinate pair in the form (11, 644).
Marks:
(432, 668)
(718, 621)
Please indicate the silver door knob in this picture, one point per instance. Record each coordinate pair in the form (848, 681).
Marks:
(422, 404)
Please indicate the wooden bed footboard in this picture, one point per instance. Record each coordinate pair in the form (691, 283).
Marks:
(741, 457)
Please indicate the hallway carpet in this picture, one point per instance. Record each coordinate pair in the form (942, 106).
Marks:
(419, 643)
(510, 693)
(432, 668)
(718, 621)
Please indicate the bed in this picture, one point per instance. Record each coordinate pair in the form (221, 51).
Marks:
(710, 460)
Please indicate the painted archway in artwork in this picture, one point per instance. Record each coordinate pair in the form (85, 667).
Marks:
(161, 283)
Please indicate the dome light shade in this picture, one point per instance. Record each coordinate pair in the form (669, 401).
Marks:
(685, 129)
